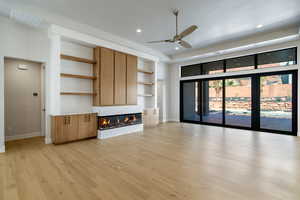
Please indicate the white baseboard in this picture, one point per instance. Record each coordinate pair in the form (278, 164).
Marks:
(173, 120)
(120, 131)
(23, 136)
(2, 148)
(48, 140)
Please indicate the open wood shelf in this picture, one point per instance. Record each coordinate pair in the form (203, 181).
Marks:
(77, 59)
(78, 93)
(146, 95)
(78, 76)
(144, 71)
(145, 83)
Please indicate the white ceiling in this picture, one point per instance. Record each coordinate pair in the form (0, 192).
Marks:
(218, 21)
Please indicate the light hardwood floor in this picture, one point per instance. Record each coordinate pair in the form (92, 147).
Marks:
(173, 161)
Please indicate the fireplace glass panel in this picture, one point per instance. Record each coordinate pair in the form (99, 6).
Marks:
(116, 121)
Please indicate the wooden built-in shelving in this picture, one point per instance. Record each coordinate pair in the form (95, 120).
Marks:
(114, 74)
(145, 83)
(77, 59)
(145, 72)
(78, 93)
(78, 76)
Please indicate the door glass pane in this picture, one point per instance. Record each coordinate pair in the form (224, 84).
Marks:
(190, 101)
(213, 67)
(212, 106)
(241, 63)
(276, 102)
(238, 102)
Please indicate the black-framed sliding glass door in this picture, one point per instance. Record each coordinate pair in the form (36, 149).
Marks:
(211, 101)
(190, 101)
(262, 102)
(238, 103)
(278, 100)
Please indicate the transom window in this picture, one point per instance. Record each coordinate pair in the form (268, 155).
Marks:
(279, 58)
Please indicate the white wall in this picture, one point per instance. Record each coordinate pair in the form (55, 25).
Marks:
(174, 75)
(23, 42)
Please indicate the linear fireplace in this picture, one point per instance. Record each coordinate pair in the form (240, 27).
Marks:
(117, 121)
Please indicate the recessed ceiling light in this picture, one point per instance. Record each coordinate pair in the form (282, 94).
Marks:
(138, 30)
(176, 48)
(259, 26)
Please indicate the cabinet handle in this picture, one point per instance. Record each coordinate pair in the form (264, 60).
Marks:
(67, 120)
(87, 118)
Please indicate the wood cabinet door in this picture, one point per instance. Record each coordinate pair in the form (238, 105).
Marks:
(87, 126)
(131, 80)
(107, 77)
(120, 79)
(66, 128)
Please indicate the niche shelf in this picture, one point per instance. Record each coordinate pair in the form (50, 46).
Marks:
(78, 76)
(78, 93)
(77, 59)
(146, 95)
(146, 83)
(145, 72)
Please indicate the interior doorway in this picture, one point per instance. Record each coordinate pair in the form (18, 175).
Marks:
(24, 99)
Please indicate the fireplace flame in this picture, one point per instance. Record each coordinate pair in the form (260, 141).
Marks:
(105, 122)
(134, 118)
(126, 119)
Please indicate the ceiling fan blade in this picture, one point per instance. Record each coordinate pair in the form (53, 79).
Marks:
(185, 44)
(160, 41)
(187, 31)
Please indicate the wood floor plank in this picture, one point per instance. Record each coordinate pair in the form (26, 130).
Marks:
(172, 161)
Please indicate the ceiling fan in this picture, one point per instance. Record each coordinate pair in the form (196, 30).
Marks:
(178, 37)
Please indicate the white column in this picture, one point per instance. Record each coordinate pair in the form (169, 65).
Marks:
(52, 82)
(155, 83)
(2, 127)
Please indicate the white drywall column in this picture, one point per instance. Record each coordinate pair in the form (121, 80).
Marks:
(2, 128)
(155, 83)
(53, 82)
(173, 92)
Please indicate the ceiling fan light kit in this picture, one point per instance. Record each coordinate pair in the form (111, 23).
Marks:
(178, 37)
